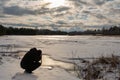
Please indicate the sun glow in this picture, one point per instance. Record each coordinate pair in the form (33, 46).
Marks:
(55, 3)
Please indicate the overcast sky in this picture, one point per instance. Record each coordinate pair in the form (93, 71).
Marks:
(60, 14)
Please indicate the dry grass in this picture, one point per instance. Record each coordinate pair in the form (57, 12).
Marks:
(98, 68)
(112, 60)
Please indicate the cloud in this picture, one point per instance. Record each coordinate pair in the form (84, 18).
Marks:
(15, 10)
(61, 22)
(99, 2)
(2, 2)
(79, 2)
(60, 9)
(76, 14)
(19, 11)
(55, 12)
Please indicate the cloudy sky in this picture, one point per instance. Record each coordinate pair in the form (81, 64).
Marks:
(60, 14)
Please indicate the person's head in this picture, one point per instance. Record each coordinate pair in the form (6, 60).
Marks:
(39, 52)
(33, 49)
(36, 52)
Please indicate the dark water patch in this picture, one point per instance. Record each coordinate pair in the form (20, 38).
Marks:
(116, 42)
(1, 60)
(10, 45)
(12, 52)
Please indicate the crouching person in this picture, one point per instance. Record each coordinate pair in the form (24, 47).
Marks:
(31, 60)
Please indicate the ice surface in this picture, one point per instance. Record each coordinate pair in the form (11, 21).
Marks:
(58, 47)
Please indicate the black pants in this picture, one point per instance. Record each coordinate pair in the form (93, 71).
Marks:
(29, 67)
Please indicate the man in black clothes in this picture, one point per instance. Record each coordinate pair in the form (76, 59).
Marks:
(31, 59)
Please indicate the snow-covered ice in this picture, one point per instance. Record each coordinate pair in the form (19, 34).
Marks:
(60, 48)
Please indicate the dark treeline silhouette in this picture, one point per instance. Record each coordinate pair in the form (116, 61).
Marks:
(111, 31)
(2, 30)
(28, 31)
(115, 30)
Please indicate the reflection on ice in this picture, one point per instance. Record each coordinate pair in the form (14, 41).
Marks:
(53, 37)
(47, 61)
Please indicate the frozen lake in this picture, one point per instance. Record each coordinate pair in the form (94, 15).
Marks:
(63, 47)
(57, 50)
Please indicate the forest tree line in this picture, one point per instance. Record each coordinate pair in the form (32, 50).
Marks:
(115, 30)
(28, 31)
